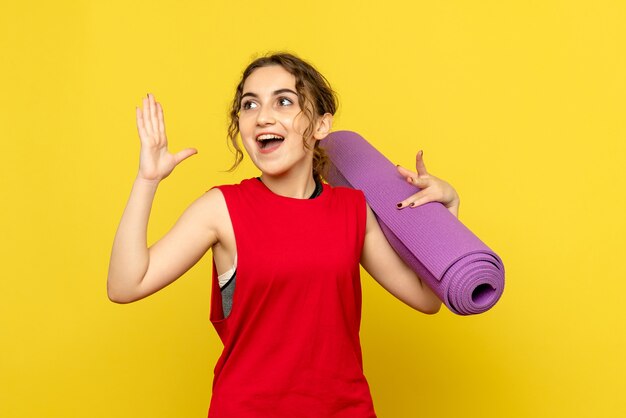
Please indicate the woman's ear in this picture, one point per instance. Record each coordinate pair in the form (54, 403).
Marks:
(324, 125)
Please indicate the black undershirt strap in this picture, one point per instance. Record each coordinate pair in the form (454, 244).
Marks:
(318, 188)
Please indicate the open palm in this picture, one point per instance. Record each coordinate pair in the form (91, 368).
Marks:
(155, 161)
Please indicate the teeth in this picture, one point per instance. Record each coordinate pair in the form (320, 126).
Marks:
(268, 136)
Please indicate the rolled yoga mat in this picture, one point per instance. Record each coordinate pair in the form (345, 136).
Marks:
(466, 274)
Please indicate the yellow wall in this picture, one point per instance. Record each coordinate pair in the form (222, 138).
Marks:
(520, 105)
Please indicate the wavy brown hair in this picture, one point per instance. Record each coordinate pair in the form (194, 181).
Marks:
(315, 96)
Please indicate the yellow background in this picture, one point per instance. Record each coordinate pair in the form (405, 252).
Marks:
(520, 105)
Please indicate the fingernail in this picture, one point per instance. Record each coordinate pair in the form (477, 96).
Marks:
(399, 205)
(412, 205)
(421, 153)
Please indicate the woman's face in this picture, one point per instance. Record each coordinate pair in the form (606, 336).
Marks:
(271, 123)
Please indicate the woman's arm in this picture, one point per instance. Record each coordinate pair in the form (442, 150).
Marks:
(381, 260)
(136, 271)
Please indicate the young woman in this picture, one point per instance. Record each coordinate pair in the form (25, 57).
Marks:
(286, 298)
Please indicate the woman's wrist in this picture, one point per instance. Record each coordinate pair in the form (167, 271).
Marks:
(147, 182)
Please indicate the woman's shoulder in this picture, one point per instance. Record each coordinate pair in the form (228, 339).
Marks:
(233, 187)
(209, 205)
(221, 196)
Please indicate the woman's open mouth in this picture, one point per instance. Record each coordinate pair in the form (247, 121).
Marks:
(269, 142)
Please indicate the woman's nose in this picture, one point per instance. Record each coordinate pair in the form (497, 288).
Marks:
(265, 116)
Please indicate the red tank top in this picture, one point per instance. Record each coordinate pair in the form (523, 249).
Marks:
(291, 341)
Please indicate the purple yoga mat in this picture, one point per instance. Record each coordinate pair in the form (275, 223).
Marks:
(466, 274)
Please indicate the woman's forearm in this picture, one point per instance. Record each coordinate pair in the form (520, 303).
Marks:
(129, 256)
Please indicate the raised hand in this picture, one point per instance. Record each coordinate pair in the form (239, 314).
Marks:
(155, 162)
(433, 189)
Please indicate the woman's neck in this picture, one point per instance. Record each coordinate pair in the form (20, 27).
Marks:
(295, 185)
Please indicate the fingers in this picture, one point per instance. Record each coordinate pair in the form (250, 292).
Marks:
(153, 115)
(184, 154)
(406, 173)
(419, 164)
(432, 189)
(429, 190)
(413, 178)
(420, 198)
(140, 125)
(425, 195)
(420, 182)
(147, 123)
(161, 120)
(150, 120)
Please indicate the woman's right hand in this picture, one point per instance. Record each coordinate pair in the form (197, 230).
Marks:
(155, 162)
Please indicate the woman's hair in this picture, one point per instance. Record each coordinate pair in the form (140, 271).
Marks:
(315, 96)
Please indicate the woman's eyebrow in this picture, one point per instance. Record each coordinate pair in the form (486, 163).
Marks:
(275, 93)
(281, 91)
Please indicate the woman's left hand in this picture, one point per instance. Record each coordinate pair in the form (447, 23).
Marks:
(433, 189)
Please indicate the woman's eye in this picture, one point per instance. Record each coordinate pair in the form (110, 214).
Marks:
(283, 101)
(248, 105)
